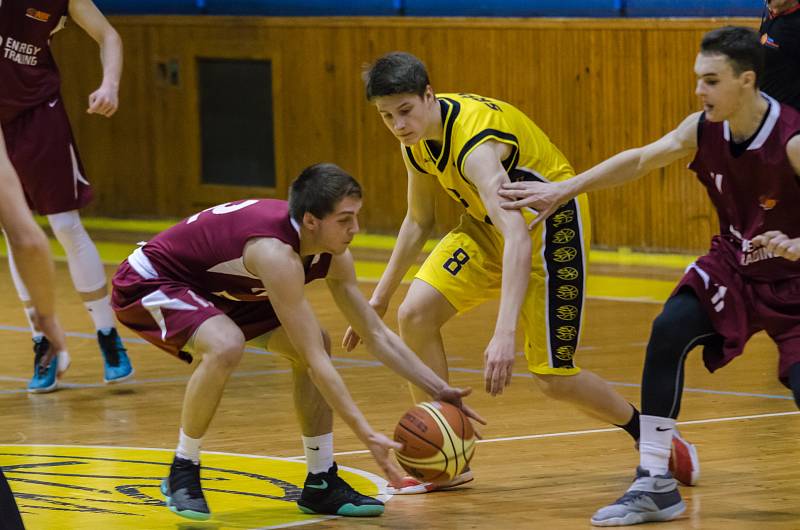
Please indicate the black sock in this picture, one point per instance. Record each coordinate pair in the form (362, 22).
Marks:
(632, 427)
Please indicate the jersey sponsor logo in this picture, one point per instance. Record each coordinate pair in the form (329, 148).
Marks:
(769, 42)
(753, 254)
(35, 14)
(767, 203)
(19, 52)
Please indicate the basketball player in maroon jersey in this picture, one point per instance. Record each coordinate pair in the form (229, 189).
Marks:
(42, 150)
(746, 149)
(235, 273)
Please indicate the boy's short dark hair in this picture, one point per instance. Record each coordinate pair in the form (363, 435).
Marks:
(318, 189)
(740, 45)
(395, 73)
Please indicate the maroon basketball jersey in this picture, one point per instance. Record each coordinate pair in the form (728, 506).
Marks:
(28, 73)
(754, 189)
(205, 250)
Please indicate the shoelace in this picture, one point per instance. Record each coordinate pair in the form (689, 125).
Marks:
(40, 349)
(110, 348)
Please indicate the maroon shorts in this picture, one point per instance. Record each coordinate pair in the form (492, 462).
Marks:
(42, 150)
(167, 313)
(739, 307)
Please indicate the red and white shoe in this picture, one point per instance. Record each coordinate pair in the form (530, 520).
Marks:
(412, 486)
(683, 462)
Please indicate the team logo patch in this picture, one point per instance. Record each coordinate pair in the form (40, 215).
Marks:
(567, 312)
(565, 353)
(567, 273)
(567, 292)
(767, 203)
(114, 487)
(35, 14)
(565, 254)
(563, 236)
(566, 332)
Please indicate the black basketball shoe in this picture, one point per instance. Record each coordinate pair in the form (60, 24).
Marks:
(182, 490)
(327, 493)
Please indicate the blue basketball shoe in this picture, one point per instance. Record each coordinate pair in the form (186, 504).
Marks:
(117, 367)
(45, 379)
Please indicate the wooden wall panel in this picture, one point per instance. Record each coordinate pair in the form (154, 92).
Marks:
(595, 86)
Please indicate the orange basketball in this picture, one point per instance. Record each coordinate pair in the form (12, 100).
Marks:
(438, 441)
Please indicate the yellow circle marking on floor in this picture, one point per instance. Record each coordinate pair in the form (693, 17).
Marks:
(90, 487)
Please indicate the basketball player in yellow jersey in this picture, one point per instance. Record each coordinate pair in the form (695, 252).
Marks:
(472, 145)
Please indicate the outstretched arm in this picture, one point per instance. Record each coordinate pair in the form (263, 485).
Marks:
(281, 271)
(104, 100)
(414, 231)
(621, 168)
(381, 341)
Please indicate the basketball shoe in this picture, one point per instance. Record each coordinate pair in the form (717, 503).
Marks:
(182, 490)
(412, 486)
(116, 365)
(649, 498)
(45, 379)
(683, 461)
(329, 494)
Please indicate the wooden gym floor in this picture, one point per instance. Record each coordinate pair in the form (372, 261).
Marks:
(540, 465)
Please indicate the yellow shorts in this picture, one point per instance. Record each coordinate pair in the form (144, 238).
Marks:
(466, 267)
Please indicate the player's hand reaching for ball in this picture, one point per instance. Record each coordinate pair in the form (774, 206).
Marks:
(103, 101)
(779, 244)
(380, 445)
(455, 396)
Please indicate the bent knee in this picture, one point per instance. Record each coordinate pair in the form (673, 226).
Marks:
(227, 351)
(558, 387)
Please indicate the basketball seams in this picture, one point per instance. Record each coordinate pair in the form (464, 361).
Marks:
(446, 429)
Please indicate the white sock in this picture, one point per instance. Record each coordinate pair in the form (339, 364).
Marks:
(189, 448)
(101, 313)
(36, 332)
(655, 443)
(319, 452)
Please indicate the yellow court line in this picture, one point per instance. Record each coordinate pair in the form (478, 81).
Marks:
(600, 286)
(620, 256)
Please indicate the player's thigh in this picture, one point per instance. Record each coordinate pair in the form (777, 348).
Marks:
(465, 267)
(218, 335)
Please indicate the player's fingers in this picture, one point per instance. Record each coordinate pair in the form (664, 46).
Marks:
(470, 413)
(509, 375)
(513, 186)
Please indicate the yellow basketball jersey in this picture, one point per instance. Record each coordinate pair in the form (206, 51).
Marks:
(468, 120)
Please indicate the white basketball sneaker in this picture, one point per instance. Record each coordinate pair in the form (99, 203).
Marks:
(412, 486)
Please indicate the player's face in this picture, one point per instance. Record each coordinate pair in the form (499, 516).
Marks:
(407, 116)
(338, 228)
(720, 90)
